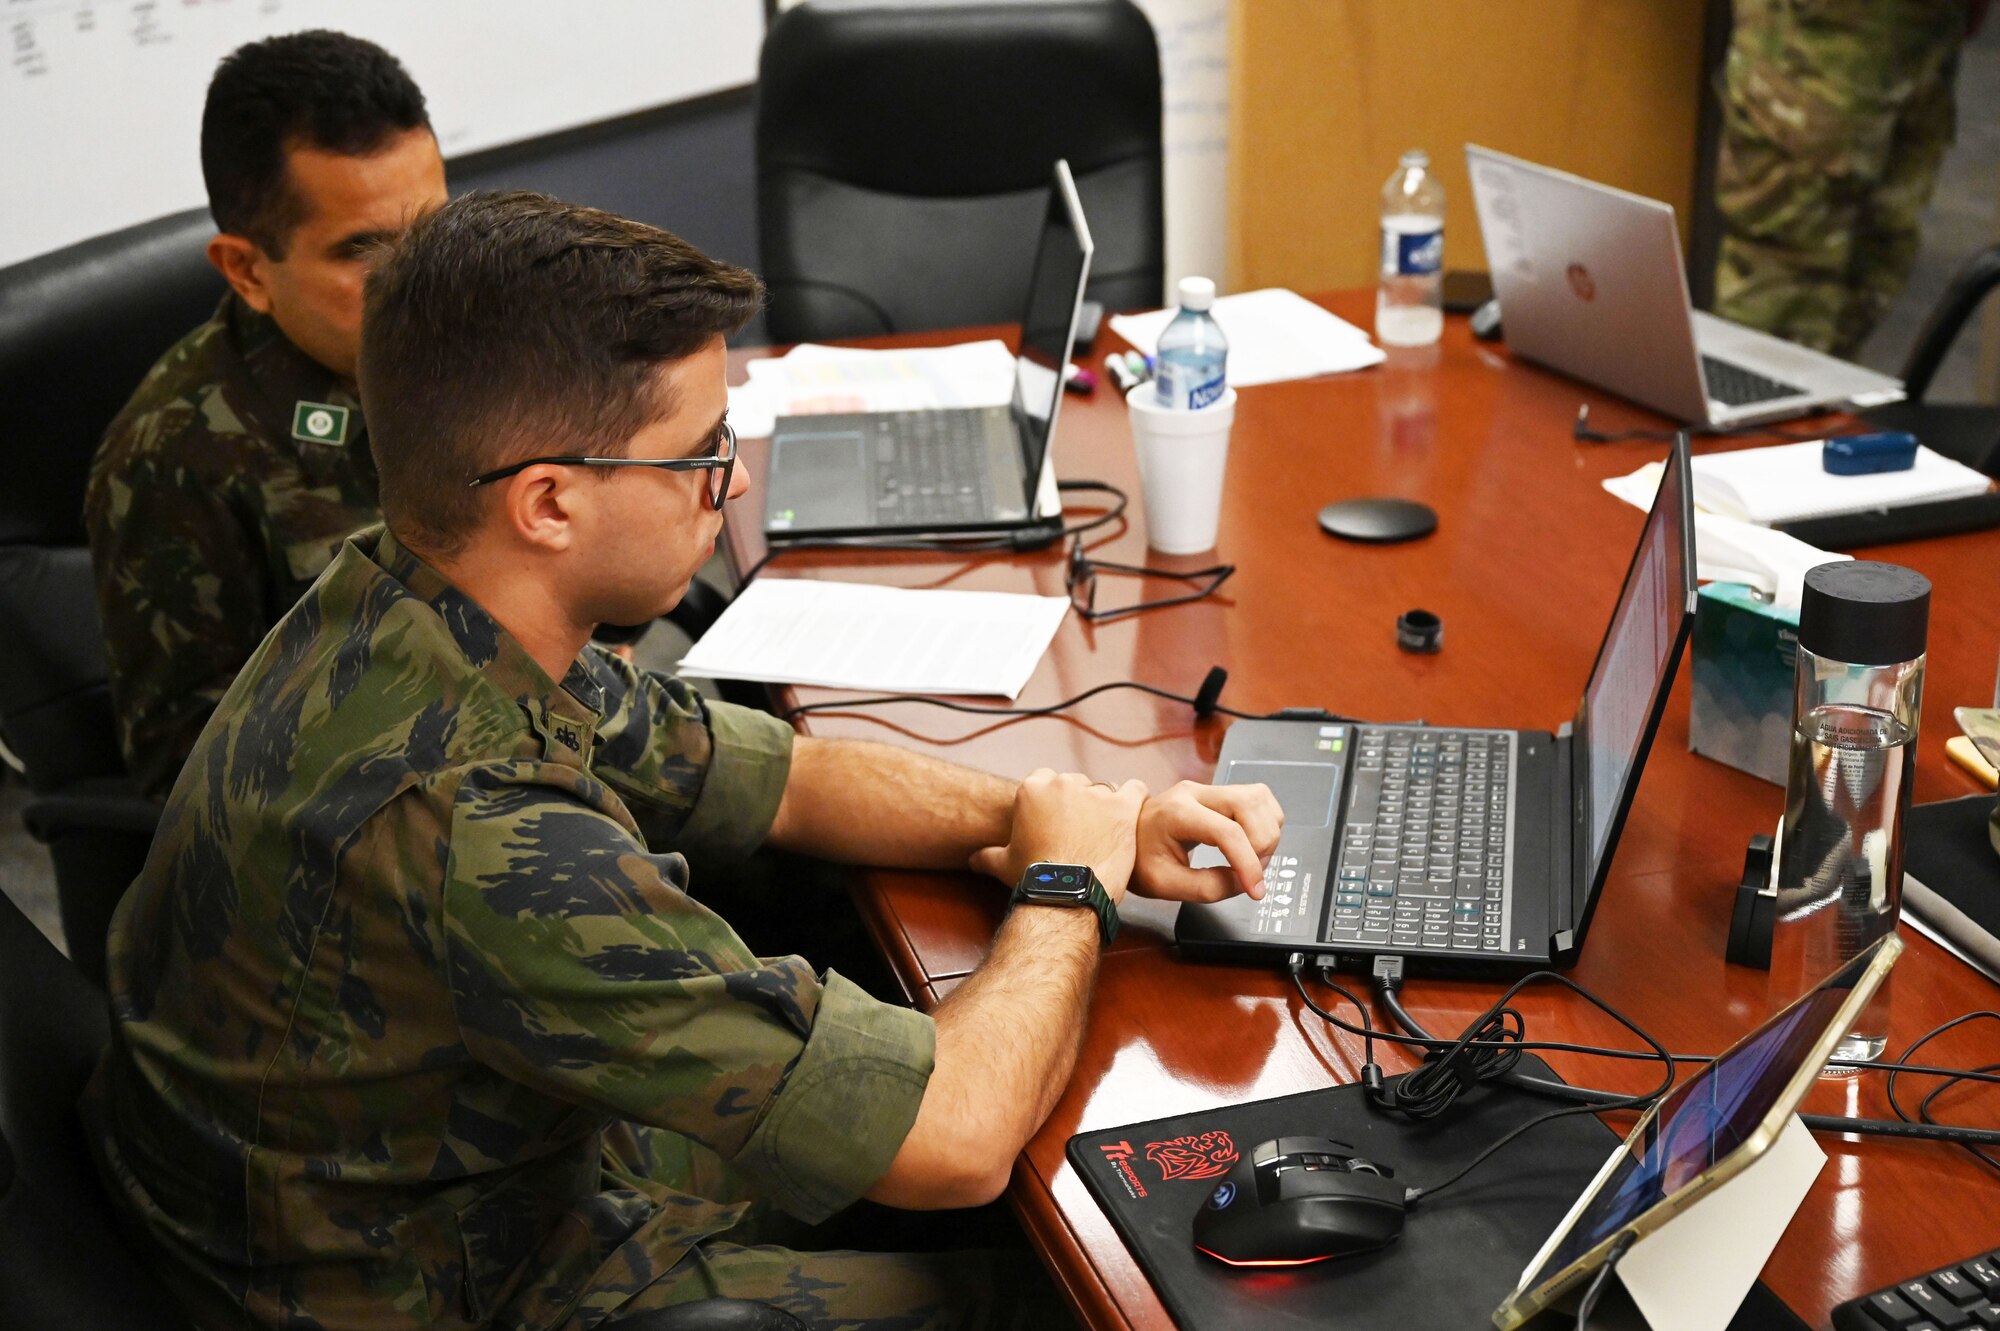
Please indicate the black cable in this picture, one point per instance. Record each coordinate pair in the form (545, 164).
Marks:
(1486, 1051)
(1588, 1304)
(1984, 1073)
(1038, 537)
(1205, 702)
(1583, 434)
(1875, 1127)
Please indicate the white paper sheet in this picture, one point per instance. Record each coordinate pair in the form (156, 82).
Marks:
(1274, 335)
(812, 380)
(848, 635)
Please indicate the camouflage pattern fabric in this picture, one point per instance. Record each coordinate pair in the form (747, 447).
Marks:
(415, 1024)
(208, 519)
(1836, 114)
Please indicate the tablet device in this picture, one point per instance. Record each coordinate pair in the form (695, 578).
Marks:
(1702, 1133)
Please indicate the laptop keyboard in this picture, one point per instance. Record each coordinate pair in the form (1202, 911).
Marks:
(1426, 854)
(930, 466)
(1734, 386)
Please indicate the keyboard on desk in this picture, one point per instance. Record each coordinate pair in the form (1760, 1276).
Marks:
(1426, 850)
(930, 466)
(1964, 1294)
(1734, 386)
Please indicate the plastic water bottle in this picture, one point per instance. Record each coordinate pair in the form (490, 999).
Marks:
(1189, 365)
(1409, 305)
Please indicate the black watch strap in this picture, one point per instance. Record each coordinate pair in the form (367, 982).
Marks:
(1070, 885)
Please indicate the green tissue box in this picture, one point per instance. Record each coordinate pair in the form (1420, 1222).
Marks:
(1745, 655)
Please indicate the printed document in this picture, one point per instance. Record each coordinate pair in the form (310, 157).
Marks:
(846, 635)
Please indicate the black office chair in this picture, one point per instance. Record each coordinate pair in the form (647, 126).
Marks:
(904, 150)
(63, 1262)
(1969, 432)
(79, 328)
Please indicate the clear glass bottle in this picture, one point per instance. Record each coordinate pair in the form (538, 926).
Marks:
(1409, 303)
(1859, 692)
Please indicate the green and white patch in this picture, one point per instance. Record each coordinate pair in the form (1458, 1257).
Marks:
(319, 423)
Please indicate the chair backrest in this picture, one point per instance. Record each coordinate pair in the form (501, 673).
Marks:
(79, 328)
(904, 150)
(63, 1261)
(55, 703)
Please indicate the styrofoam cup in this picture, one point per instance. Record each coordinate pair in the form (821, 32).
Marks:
(1181, 459)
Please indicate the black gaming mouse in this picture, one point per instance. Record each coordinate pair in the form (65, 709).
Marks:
(1299, 1199)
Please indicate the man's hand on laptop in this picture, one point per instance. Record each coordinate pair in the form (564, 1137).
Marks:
(1240, 821)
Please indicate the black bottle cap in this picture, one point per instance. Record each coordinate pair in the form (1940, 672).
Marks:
(1865, 612)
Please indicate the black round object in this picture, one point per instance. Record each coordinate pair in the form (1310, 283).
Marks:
(1865, 612)
(1419, 631)
(1378, 520)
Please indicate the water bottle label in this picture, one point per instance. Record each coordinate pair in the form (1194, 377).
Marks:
(1412, 253)
(1180, 389)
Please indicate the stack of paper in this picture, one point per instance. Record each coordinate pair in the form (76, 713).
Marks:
(812, 380)
(1787, 482)
(846, 635)
(1274, 335)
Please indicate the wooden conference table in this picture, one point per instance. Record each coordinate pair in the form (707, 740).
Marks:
(1523, 570)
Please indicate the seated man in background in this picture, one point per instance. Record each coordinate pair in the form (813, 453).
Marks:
(239, 466)
(416, 1024)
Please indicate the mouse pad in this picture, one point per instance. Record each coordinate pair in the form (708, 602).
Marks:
(1459, 1254)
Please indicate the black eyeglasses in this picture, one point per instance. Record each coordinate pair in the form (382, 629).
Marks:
(1082, 574)
(721, 463)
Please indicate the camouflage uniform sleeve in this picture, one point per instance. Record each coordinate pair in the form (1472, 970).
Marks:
(579, 966)
(704, 777)
(179, 591)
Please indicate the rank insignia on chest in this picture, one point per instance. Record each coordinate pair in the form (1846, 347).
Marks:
(319, 423)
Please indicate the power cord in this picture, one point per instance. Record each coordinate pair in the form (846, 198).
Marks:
(1588, 1304)
(1487, 1050)
(1922, 1128)
(1205, 702)
(1583, 434)
(1037, 537)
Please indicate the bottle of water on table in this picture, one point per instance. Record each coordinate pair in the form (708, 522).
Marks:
(1409, 304)
(1189, 366)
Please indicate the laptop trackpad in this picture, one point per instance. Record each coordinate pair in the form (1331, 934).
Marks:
(819, 479)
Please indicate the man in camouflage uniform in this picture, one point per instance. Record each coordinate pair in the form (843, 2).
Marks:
(230, 478)
(1836, 114)
(415, 1022)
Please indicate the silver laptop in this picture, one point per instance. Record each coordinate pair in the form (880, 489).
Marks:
(1590, 282)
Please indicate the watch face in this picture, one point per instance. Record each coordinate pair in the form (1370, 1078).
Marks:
(1064, 882)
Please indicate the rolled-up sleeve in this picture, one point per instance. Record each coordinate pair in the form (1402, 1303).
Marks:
(847, 1104)
(579, 966)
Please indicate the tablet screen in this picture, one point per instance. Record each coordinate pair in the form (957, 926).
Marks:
(1705, 1118)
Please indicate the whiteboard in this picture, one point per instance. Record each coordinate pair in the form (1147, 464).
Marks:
(100, 100)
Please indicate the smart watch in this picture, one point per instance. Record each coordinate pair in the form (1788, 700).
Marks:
(1071, 885)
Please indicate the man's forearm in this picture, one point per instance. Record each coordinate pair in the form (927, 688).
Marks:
(856, 802)
(1007, 1039)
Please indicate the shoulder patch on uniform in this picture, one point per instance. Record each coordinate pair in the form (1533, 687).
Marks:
(319, 423)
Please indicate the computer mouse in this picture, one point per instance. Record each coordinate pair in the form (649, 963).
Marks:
(1299, 1199)
(1486, 322)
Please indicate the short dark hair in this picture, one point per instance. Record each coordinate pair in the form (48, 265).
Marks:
(320, 89)
(507, 325)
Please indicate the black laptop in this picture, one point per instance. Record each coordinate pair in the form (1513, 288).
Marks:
(1462, 849)
(948, 471)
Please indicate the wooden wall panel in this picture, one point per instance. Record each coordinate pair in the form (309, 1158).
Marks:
(1327, 94)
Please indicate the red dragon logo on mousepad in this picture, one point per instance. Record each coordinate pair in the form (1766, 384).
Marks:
(1207, 1156)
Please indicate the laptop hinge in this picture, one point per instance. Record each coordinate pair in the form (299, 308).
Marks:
(1563, 902)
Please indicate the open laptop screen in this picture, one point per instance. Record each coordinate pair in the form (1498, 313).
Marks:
(1622, 700)
(1048, 324)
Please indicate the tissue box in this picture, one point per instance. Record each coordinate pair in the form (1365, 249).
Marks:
(1745, 656)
